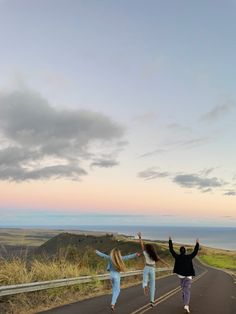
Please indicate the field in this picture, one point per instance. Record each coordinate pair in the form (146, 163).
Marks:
(64, 255)
(28, 255)
(33, 237)
(219, 258)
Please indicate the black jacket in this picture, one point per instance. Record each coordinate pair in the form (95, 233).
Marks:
(183, 262)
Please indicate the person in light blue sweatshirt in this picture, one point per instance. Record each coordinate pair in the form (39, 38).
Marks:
(115, 266)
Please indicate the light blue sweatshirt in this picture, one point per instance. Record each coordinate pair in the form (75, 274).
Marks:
(110, 266)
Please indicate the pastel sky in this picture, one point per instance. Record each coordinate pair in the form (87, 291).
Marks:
(117, 112)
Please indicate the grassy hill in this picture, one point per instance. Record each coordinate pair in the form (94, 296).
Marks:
(67, 241)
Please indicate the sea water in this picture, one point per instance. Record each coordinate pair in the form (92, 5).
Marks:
(217, 237)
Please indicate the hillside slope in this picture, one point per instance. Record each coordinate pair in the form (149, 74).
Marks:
(105, 243)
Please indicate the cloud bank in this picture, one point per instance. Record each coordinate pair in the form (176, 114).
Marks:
(37, 141)
(200, 181)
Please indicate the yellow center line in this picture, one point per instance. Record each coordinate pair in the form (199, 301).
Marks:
(164, 297)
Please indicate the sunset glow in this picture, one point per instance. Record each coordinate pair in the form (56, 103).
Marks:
(106, 113)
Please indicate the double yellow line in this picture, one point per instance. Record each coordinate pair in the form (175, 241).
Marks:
(164, 297)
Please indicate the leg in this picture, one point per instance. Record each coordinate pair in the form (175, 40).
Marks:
(186, 288)
(152, 283)
(145, 279)
(182, 287)
(115, 279)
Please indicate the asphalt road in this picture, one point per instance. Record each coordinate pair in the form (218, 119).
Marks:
(213, 292)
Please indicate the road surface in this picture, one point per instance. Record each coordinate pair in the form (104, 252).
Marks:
(213, 292)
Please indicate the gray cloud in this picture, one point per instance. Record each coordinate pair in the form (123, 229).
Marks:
(207, 171)
(195, 181)
(151, 174)
(38, 141)
(104, 163)
(230, 193)
(18, 173)
(199, 181)
(154, 152)
(217, 112)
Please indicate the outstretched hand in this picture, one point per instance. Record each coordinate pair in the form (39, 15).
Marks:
(139, 235)
(197, 240)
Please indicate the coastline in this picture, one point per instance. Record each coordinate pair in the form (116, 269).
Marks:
(219, 238)
(20, 241)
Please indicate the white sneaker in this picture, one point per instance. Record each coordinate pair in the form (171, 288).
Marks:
(186, 308)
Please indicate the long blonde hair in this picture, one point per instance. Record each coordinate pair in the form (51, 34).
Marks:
(116, 259)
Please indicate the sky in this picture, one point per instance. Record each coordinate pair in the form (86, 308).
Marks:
(117, 112)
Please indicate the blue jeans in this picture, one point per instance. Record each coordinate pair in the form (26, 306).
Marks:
(186, 286)
(149, 276)
(115, 280)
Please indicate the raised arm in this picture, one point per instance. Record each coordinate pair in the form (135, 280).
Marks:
(130, 256)
(171, 248)
(102, 254)
(195, 251)
(141, 241)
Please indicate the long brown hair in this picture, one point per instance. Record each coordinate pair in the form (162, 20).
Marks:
(149, 248)
(116, 259)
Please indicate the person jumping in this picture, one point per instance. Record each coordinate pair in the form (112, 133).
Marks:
(151, 258)
(115, 266)
(184, 269)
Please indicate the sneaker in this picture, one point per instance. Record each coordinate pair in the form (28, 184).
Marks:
(112, 308)
(186, 308)
(152, 304)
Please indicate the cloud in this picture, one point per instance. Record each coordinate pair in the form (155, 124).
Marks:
(176, 144)
(37, 141)
(104, 163)
(194, 142)
(195, 181)
(230, 193)
(207, 171)
(217, 112)
(151, 174)
(199, 181)
(154, 152)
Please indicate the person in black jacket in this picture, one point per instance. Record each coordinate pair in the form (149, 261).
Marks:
(184, 269)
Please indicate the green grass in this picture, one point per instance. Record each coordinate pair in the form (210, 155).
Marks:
(225, 261)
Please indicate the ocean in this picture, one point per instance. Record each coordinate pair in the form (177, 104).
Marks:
(216, 237)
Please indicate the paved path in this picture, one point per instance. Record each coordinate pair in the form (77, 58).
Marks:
(213, 292)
